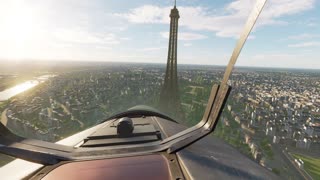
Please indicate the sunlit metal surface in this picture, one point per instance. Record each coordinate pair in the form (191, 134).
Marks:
(243, 38)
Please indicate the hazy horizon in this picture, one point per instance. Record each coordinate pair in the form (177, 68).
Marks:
(6, 63)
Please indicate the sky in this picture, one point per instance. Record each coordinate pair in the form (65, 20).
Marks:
(287, 33)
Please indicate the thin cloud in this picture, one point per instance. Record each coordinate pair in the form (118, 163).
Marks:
(152, 49)
(279, 59)
(305, 44)
(304, 36)
(83, 37)
(227, 25)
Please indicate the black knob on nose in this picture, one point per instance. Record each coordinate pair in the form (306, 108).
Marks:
(125, 127)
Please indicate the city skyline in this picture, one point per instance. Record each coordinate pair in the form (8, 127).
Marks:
(269, 114)
(286, 35)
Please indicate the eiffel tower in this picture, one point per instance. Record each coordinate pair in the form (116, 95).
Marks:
(169, 96)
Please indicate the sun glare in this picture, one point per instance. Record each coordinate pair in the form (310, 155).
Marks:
(17, 28)
(17, 89)
(23, 87)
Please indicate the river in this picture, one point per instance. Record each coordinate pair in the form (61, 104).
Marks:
(8, 93)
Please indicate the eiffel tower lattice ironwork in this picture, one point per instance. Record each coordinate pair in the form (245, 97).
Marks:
(169, 97)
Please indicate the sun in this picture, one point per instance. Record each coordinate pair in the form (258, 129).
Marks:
(18, 23)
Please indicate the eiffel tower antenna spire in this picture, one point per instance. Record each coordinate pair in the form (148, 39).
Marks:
(175, 3)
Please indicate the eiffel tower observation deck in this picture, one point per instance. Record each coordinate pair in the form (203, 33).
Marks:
(169, 96)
